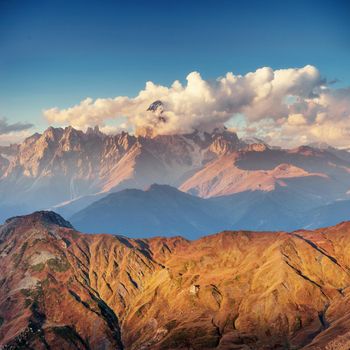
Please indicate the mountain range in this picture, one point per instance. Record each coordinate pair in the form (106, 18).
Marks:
(164, 210)
(253, 184)
(61, 289)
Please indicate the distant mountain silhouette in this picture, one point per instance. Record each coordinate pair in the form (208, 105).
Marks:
(163, 210)
(160, 210)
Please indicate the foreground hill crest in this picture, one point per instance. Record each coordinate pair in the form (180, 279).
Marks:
(233, 290)
(47, 217)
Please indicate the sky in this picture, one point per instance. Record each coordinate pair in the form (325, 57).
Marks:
(58, 58)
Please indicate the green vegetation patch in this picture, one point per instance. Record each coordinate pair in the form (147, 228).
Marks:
(38, 267)
(58, 265)
(32, 294)
(45, 283)
(27, 292)
(27, 303)
(38, 240)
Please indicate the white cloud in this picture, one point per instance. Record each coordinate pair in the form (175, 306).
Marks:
(297, 119)
(7, 128)
(13, 133)
(113, 129)
(292, 105)
(14, 137)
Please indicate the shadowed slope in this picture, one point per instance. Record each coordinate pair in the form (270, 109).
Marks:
(138, 213)
(160, 210)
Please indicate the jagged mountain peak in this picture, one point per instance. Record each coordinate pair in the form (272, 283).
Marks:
(52, 132)
(69, 132)
(94, 131)
(155, 105)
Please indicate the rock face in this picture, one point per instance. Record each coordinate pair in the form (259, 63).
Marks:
(61, 289)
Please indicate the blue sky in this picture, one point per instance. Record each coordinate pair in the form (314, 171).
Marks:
(56, 53)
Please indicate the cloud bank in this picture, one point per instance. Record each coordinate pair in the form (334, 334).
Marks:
(6, 128)
(13, 133)
(285, 106)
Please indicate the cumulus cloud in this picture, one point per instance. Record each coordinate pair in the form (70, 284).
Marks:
(14, 137)
(13, 133)
(6, 128)
(297, 119)
(291, 105)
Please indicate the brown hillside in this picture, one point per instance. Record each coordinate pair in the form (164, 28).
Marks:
(60, 289)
